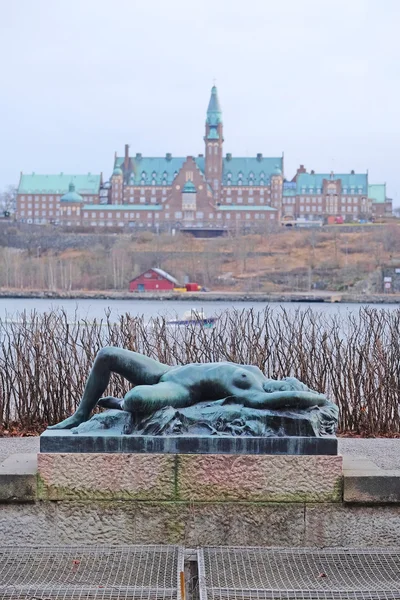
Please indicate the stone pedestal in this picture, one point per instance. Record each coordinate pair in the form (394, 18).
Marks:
(189, 478)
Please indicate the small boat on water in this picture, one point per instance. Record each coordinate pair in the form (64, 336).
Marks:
(194, 317)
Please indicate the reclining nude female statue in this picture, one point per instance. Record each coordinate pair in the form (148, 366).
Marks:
(157, 385)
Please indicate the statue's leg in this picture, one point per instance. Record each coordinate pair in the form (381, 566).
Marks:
(145, 399)
(136, 368)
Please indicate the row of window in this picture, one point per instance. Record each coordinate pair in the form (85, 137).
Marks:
(46, 198)
(44, 213)
(239, 200)
(43, 205)
(345, 190)
(125, 215)
(228, 192)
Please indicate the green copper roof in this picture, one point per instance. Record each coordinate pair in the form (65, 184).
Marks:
(122, 207)
(146, 170)
(117, 171)
(214, 111)
(213, 134)
(377, 192)
(71, 195)
(257, 171)
(58, 184)
(189, 188)
(352, 183)
(245, 208)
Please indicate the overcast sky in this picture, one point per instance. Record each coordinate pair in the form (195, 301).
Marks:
(317, 79)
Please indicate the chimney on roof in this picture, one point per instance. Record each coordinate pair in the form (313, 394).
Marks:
(259, 156)
(229, 156)
(138, 156)
(201, 155)
(312, 172)
(126, 159)
(301, 169)
(352, 172)
(168, 156)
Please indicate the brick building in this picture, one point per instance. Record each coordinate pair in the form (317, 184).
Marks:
(211, 192)
(320, 195)
(55, 199)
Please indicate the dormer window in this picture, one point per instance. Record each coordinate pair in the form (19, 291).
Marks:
(345, 190)
(153, 182)
(318, 190)
(311, 190)
(303, 190)
(175, 174)
(154, 174)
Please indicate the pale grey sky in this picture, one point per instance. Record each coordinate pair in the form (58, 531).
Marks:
(317, 79)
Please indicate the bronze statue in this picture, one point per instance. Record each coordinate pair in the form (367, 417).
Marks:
(157, 386)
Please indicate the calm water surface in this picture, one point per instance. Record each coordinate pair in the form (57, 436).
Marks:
(95, 309)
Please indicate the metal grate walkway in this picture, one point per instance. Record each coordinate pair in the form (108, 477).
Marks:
(92, 572)
(298, 574)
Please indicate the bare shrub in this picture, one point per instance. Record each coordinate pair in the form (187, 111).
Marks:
(354, 359)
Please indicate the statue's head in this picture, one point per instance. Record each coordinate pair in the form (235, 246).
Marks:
(288, 384)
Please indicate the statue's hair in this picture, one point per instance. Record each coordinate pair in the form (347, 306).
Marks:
(297, 385)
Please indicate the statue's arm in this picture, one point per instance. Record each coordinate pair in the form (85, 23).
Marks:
(279, 399)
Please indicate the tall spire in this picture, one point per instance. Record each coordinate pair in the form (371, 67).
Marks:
(214, 140)
(214, 112)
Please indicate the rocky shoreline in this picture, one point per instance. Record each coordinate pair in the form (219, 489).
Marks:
(330, 297)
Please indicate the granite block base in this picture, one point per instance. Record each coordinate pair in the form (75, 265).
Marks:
(66, 441)
(193, 478)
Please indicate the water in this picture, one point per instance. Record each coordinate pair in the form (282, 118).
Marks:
(90, 309)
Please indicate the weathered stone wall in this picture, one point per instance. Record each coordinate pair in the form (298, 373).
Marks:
(200, 523)
(190, 477)
(198, 500)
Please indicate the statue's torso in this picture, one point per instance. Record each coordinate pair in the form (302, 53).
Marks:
(215, 380)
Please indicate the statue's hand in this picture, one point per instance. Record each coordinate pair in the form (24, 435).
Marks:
(231, 400)
(70, 422)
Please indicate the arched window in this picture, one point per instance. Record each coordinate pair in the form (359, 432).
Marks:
(153, 182)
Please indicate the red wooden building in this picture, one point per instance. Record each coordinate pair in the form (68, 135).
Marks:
(153, 280)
